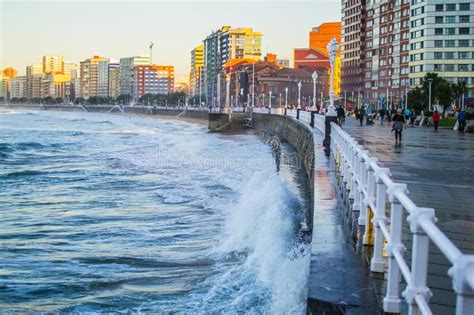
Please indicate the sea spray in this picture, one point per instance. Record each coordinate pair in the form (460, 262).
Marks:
(264, 226)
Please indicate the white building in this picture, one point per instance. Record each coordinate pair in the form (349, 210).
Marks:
(18, 87)
(442, 40)
(53, 64)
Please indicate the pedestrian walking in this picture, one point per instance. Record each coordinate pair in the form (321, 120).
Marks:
(435, 119)
(412, 117)
(399, 122)
(361, 115)
(382, 113)
(340, 115)
(461, 121)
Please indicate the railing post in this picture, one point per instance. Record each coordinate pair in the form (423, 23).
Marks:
(377, 263)
(391, 302)
(369, 227)
(362, 180)
(419, 259)
(461, 273)
(355, 186)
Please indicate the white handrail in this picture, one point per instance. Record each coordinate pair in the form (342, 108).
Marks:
(422, 225)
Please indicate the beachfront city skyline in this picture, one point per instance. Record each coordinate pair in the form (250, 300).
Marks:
(379, 61)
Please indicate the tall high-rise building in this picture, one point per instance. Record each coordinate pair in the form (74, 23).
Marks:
(442, 41)
(387, 44)
(53, 64)
(319, 38)
(126, 72)
(153, 79)
(221, 46)
(353, 45)
(197, 62)
(114, 80)
(34, 74)
(103, 78)
(89, 77)
(4, 87)
(239, 43)
(18, 87)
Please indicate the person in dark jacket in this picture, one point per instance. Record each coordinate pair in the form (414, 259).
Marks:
(341, 113)
(382, 113)
(461, 121)
(399, 122)
(435, 118)
(361, 114)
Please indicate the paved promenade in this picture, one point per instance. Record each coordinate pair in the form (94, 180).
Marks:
(438, 168)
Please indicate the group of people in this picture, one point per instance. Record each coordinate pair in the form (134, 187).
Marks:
(400, 118)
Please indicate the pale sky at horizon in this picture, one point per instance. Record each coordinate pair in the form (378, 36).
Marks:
(78, 30)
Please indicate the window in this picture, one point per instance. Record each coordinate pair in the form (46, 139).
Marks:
(450, 55)
(450, 31)
(463, 55)
(439, 8)
(438, 31)
(464, 7)
(438, 67)
(450, 43)
(438, 55)
(439, 19)
(464, 19)
(464, 43)
(463, 67)
(451, 7)
(464, 31)
(451, 19)
(438, 43)
(449, 67)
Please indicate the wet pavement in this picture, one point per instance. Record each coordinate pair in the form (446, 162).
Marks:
(438, 168)
(339, 280)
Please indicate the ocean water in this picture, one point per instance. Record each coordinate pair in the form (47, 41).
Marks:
(105, 213)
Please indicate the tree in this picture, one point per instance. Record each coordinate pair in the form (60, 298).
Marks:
(444, 92)
(415, 99)
(79, 100)
(48, 100)
(2, 99)
(123, 99)
(426, 87)
(458, 91)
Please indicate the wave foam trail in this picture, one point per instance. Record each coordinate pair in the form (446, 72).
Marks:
(264, 226)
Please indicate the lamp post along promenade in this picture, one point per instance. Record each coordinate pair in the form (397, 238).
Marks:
(331, 115)
(313, 109)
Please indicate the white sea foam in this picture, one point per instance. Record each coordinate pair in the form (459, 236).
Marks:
(139, 131)
(263, 225)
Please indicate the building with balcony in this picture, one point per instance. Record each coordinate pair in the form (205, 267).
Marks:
(127, 66)
(90, 77)
(18, 87)
(114, 80)
(442, 41)
(353, 45)
(152, 79)
(56, 86)
(195, 76)
(53, 64)
(34, 74)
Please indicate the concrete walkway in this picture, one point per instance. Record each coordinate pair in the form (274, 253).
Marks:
(438, 168)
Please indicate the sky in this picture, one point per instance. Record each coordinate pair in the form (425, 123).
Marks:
(79, 30)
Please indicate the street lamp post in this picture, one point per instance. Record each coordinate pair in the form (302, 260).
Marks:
(299, 101)
(280, 99)
(270, 102)
(286, 99)
(430, 81)
(331, 115)
(313, 109)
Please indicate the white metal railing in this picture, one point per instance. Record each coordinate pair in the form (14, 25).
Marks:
(367, 185)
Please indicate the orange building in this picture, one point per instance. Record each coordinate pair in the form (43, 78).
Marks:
(320, 36)
(9, 72)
